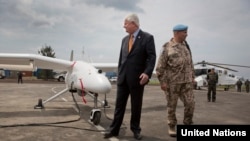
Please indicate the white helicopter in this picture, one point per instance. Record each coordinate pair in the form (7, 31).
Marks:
(225, 78)
(81, 77)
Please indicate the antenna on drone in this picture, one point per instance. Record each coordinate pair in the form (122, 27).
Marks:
(83, 52)
(71, 55)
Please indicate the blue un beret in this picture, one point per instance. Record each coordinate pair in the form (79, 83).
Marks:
(180, 27)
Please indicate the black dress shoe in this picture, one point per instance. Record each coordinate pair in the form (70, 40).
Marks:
(137, 136)
(109, 135)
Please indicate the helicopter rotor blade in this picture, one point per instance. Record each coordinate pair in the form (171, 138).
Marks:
(212, 64)
(203, 63)
(231, 65)
(221, 65)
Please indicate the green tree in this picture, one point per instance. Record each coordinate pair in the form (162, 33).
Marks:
(49, 52)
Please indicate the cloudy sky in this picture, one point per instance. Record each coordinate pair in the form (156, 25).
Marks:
(219, 30)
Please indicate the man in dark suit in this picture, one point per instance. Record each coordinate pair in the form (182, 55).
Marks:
(135, 67)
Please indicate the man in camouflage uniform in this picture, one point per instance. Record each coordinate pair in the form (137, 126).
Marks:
(247, 83)
(239, 83)
(175, 72)
(212, 79)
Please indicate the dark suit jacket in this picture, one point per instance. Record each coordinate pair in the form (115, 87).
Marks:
(141, 59)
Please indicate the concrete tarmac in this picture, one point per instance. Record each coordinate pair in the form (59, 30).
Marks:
(61, 121)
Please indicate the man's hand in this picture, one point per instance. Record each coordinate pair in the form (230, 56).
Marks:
(164, 86)
(144, 78)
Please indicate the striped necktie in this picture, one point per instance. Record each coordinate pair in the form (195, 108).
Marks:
(130, 43)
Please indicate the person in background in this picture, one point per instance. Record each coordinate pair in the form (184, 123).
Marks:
(212, 79)
(20, 77)
(247, 83)
(239, 84)
(175, 72)
(135, 67)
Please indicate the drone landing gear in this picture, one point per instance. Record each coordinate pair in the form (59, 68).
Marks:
(39, 105)
(105, 102)
(95, 116)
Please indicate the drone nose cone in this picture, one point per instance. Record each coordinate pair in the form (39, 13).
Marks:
(104, 86)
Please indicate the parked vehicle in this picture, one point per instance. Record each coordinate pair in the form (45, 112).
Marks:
(60, 77)
(110, 74)
(2, 74)
(113, 79)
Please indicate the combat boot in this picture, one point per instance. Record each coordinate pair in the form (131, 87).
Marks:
(172, 131)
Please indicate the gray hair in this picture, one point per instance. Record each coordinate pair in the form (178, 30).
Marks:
(133, 18)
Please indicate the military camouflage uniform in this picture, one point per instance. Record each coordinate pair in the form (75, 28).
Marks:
(212, 79)
(239, 83)
(175, 68)
(247, 85)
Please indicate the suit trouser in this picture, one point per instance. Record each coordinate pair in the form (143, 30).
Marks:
(123, 92)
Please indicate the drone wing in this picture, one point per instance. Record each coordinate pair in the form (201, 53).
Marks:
(29, 62)
(105, 67)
